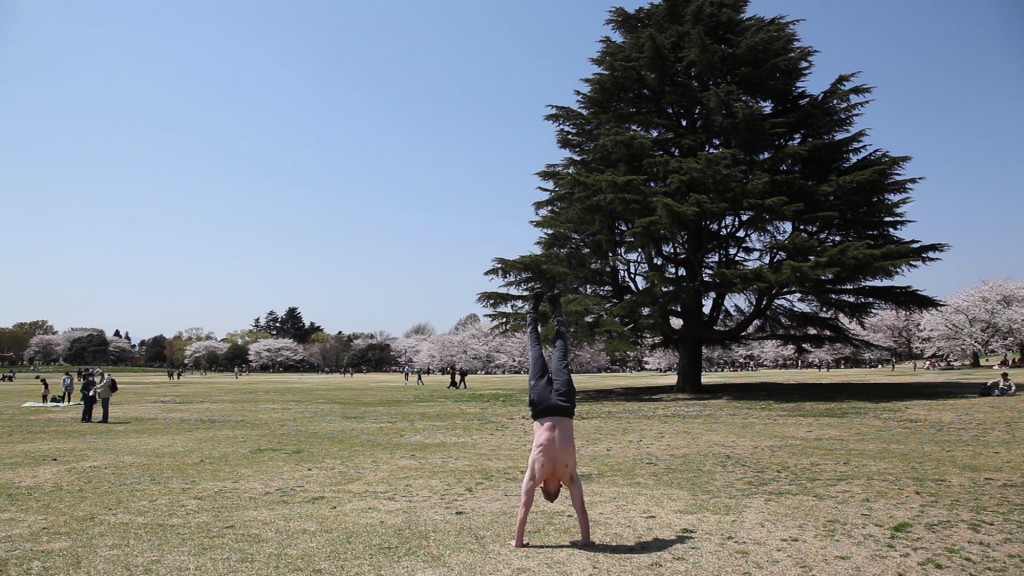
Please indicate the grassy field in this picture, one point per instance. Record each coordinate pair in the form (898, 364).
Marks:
(847, 472)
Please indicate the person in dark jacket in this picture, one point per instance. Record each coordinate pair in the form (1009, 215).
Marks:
(88, 390)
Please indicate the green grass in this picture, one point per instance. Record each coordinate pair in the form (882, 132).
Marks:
(773, 472)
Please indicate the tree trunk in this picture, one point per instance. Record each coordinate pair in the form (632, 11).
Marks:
(691, 361)
(975, 360)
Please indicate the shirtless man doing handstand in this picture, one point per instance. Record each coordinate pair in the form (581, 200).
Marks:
(552, 462)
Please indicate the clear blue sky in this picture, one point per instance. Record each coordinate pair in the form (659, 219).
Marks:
(191, 163)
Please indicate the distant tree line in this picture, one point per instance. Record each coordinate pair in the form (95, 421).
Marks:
(982, 321)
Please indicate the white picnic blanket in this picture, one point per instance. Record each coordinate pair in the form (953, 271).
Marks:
(54, 404)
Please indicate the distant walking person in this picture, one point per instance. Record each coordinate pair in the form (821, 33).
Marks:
(462, 377)
(419, 376)
(453, 383)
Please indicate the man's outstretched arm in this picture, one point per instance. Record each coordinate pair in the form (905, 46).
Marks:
(575, 487)
(525, 503)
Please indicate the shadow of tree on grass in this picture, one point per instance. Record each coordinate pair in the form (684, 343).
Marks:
(789, 392)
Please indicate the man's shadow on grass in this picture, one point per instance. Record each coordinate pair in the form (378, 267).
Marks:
(789, 392)
(652, 546)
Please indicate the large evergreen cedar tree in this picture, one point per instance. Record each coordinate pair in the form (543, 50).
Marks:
(709, 198)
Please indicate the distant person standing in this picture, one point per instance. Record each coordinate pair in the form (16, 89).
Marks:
(419, 377)
(405, 372)
(104, 391)
(46, 391)
(453, 383)
(88, 390)
(67, 388)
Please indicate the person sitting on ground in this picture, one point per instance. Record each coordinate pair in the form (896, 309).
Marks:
(552, 400)
(1001, 386)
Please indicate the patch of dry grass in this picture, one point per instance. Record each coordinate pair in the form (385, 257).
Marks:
(847, 472)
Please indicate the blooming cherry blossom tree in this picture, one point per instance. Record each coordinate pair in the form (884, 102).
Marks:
(980, 320)
(45, 349)
(120, 350)
(205, 353)
(276, 353)
(897, 331)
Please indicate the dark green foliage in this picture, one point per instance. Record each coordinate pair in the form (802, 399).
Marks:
(35, 328)
(236, 355)
(271, 323)
(709, 197)
(14, 341)
(375, 357)
(288, 325)
(13, 344)
(91, 349)
(156, 350)
(329, 352)
(292, 326)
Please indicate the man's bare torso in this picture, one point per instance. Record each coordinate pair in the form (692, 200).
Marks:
(552, 463)
(554, 450)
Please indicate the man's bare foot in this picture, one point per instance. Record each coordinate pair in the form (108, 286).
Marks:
(582, 543)
(513, 544)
